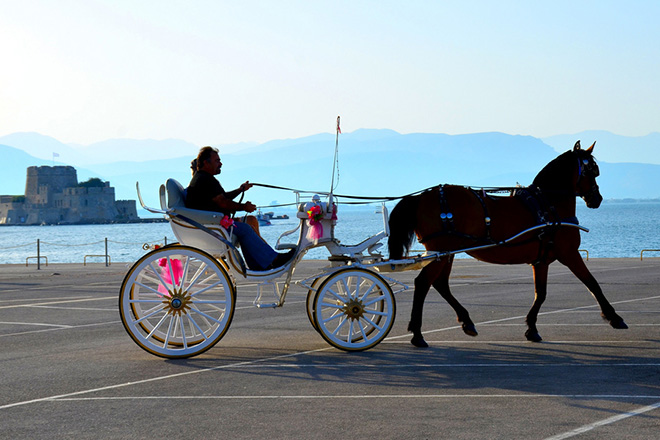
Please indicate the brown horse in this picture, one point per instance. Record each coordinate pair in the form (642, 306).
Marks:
(450, 218)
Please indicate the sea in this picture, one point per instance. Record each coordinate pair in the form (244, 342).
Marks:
(618, 229)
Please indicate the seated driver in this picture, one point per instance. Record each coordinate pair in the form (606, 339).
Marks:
(205, 193)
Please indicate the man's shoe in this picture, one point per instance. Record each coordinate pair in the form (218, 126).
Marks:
(282, 259)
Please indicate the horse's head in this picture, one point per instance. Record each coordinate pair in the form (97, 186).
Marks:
(571, 174)
(585, 185)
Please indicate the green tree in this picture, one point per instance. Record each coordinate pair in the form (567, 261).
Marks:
(93, 182)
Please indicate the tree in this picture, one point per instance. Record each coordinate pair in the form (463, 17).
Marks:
(93, 182)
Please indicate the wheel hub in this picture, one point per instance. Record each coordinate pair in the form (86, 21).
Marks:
(354, 309)
(178, 302)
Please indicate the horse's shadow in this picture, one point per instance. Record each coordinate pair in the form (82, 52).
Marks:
(558, 369)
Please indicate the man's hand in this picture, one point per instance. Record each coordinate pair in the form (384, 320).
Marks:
(245, 186)
(249, 207)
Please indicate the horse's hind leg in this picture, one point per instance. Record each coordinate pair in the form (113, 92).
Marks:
(540, 293)
(427, 276)
(441, 284)
(579, 269)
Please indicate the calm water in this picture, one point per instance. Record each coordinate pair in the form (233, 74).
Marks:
(616, 230)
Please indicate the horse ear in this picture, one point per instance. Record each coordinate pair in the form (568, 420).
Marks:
(591, 149)
(577, 146)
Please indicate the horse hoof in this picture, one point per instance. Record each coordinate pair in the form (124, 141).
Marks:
(533, 336)
(469, 329)
(618, 324)
(418, 341)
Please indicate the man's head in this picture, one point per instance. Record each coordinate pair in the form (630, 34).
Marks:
(208, 160)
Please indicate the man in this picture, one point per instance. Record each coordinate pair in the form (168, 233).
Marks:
(206, 193)
(249, 219)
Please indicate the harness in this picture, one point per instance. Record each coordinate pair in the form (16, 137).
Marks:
(447, 219)
(531, 197)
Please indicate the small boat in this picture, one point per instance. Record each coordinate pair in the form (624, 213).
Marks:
(270, 215)
(264, 219)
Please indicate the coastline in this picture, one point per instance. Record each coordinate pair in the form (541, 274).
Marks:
(114, 222)
(10, 270)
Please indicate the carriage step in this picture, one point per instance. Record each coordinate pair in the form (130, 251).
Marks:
(266, 305)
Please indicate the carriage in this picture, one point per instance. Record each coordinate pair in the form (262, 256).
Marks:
(178, 301)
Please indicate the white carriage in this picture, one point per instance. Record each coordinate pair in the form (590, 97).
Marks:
(178, 301)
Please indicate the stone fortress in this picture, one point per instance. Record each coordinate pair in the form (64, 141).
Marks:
(54, 196)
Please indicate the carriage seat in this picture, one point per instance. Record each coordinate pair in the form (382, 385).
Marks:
(176, 203)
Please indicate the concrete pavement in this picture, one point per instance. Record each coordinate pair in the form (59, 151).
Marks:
(69, 370)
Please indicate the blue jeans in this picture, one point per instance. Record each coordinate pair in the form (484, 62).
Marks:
(257, 253)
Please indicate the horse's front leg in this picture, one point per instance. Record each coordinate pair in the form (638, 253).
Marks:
(579, 269)
(540, 293)
(423, 282)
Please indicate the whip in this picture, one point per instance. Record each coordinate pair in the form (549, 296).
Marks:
(334, 163)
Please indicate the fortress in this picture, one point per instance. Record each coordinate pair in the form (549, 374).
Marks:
(54, 196)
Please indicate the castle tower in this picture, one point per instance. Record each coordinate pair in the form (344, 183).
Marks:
(43, 182)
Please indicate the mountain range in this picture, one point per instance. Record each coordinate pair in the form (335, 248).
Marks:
(370, 162)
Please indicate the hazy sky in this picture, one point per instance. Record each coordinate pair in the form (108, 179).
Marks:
(213, 72)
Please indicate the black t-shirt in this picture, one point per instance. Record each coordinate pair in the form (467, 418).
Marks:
(201, 191)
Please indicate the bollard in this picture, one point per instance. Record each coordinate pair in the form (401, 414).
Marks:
(38, 256)
(106, 251)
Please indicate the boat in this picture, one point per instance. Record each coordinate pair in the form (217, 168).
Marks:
(271, 216)
(264, 219)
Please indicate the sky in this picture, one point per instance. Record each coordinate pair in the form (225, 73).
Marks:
(214, 72)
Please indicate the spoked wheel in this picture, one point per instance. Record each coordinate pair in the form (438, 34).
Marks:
(311, 295)
(177, 302)
(354, 309)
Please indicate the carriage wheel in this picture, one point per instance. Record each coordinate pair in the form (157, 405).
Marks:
(354, 309)
(311, 294)
(177, 302)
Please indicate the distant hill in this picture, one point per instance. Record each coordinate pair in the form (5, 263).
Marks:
(108, 151)
(371, 162)
(43, 147)
(137, 150)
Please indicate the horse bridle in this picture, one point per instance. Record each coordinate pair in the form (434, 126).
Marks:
(587, 167)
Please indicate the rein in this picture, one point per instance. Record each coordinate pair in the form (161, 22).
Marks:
(367, 198)
(370, 199)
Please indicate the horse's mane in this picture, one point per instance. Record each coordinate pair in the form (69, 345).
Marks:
(402, 226)
(556, 175)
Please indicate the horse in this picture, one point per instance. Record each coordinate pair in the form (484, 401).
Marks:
(449, 218)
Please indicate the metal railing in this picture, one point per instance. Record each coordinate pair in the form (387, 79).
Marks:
(641, 254)
(38, 258)
(108, 260)
(106, 256)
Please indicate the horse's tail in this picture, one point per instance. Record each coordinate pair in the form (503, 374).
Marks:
(403, 220)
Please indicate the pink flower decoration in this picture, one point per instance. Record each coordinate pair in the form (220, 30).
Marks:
(226, 222)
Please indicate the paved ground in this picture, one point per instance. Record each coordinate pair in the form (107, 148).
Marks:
(69, 370)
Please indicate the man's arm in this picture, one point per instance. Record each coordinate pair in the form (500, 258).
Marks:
(231, 195)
